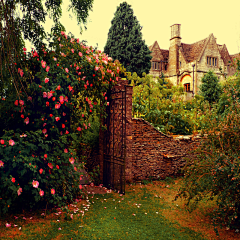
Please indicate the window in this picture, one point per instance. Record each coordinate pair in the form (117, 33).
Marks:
(155, 65)
(180, 64)
(212, 61)
(165, 67)
(187, 87)
(152, 65)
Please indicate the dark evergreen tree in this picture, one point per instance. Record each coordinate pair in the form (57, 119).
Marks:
(210, 88)
(125, 42)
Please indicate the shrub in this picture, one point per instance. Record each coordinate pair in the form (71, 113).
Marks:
(45, 121)
(213, 171)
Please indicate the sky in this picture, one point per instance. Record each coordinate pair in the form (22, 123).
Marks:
(198, 20)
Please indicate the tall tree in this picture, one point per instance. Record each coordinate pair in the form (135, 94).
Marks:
(23, 19)
(210, 88)
(125, 41)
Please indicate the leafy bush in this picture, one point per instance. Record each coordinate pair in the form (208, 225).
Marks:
(210, 88)
(44, 123)
(213, 171)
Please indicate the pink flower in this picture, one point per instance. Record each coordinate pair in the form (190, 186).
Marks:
(35, 54)
(8, 225)
(11, 142)
(45, 155)
(43, 64)
(80, 186)
(79, 129)
(63, 125)
(67, 132)
(2, 141)
(50, 165)
(41, 192)
(49, 95)
(72, 50)
(21, 102)
(64, 114)
(44, 131)
(96, 68)
(57, 118)
(21, 72)
(80, 54)
(19, 191)
(24, 49)
(57, 106)
(35, 184)
(71, 160)
(82, 115)
(65, 150)
(70, 88)
(57, 166)
(66, 69)
(45, 94)
(40, 171)
(54, 59)
(52, 191)
(29, 98)
(13, 180)
(16, 102)
(66, 99)
(47, 104)
(26, 120)
(61, 99)
(47, 68)
(58, 87)
(108, 103)
(46, 80)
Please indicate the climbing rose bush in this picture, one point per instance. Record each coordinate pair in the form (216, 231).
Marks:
(44, 122)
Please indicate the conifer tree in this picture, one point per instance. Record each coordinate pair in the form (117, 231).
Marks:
(125, 41)
(210, 88)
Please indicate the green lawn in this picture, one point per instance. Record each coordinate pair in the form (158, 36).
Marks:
(136, 215)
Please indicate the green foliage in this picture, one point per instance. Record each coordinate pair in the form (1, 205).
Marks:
(25, 19)
(42, 127)
(210, 88)
(159, 103)
(213, 171)
(230, 95)
(125, 41)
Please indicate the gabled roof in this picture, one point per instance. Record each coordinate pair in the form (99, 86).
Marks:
(224, 54)
(193, 51)
(156, 52)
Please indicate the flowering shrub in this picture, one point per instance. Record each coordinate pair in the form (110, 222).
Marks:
(42, 125)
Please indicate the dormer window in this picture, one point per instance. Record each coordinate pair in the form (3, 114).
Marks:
(212, 61)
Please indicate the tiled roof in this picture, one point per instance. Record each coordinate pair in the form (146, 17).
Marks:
(224, 54)
(192, 51)
(235, 56)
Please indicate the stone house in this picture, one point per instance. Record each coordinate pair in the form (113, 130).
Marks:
(186, 64)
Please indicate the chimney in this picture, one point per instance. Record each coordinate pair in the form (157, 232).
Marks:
(175, 43)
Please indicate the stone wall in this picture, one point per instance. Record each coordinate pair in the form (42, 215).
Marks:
(155, 154)
(149, 153)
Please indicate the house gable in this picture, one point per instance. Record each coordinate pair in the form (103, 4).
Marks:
(156, 53)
